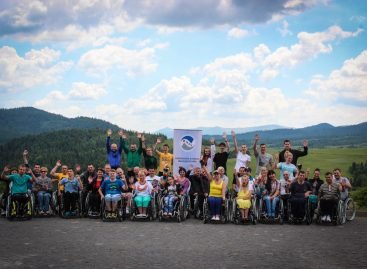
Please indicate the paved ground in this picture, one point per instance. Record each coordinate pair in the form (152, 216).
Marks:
(85, 243)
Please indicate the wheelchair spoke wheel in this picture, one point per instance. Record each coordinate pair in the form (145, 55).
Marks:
(350, 209)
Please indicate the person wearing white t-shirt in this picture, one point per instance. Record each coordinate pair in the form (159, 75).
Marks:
(242, 158)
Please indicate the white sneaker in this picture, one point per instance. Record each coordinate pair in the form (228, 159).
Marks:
(213, 218)
(217, 218)
(328, 219)
(139, 215)
(323, 218)
(127, 211)
(165, 214)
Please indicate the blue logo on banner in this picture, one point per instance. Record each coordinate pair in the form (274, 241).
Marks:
(187, 143)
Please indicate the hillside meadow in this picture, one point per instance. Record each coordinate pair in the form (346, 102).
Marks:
(324, 158)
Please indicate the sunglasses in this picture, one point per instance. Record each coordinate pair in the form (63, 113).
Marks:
(43, 171)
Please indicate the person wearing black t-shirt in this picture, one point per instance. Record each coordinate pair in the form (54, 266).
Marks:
(296, 153)
(300, 190)
(221, 157)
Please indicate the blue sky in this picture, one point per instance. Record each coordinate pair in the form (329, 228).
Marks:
(146, 65)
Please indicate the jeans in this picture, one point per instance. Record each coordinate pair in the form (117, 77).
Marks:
(271, 205)
(215, 204)
(43, 200)
(168, 203)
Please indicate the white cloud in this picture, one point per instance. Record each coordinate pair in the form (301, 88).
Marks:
(36, 68)
(80, 91)
(133, 62)
(238, 33)
(284, 31)
(349, 82)
(310, 45)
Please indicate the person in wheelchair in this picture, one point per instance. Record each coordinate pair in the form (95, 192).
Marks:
(94, 197)
(271, 194)
(170, 196)
(43, 191)
(300, 190)
(199, 186)
(71, 186)
(329, 195)
(243, 198)
(19, 191)
(110, 191)
(217, 194)
(142, 194)
(285, 184)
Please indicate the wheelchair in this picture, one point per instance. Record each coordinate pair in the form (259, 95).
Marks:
(77, 213)
(52, 209)
(236, 215)
(151, 209)
(177, 212)
(119, 211)
(225, 208)
(89, 210)
(18, 210)
(337, 216)
(279, 212)
(307, 218)
(349, 210)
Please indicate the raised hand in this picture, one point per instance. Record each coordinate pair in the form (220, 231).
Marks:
(257, 137)
(109, 132)
(142, 138)
(224, 135)
(158, 141)
(305, 143)
(138, 135)
(25, 152)
(233, 133)
(212, 141)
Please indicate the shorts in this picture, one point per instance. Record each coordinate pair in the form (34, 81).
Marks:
(112, 197)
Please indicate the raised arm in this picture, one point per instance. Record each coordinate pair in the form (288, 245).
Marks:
(155, 146)
(208, 175)
(4, 175)
(121, 135)
(301, 153)
(226, 141)
(234, 142)
(254, 147)
(140, 147)
(25, 157)
(108, 144)
(53, 170)
(212, 147)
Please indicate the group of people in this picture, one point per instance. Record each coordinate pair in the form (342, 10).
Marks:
(210, 180)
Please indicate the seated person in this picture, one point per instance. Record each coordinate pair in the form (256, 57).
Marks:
(72, 186)
(217, 193)
(111, 190)
(171, 196)
(244, 197)
(300, 190)
(92, 188)
(128, 193)
(183, 181)
(344, 182)
(271, 195)
(143, 191)
(285, 184)
(43, 190)
(199, 186)
(329, 194)
(19, 188)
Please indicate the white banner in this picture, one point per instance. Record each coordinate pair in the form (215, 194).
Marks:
(186, 148)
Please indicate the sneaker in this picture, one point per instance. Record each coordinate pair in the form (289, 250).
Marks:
(213, 218)
(165, 214)
(328, 219)
(114, 215)
(108, 215)
(144, 215)
(217, 218)
(170, 214)
(323, 218)
(127, 211)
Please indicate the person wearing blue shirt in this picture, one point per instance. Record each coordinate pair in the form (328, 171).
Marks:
(114, 153)
(110, 190)
(72, 186)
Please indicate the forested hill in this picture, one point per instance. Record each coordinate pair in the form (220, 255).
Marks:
(320, 135)
(75, 146)
(18, 122)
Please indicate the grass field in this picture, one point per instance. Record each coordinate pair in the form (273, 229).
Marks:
(324, 158)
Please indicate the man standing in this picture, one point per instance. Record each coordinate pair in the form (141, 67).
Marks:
(263, 159)
(114, 153)
(87, 178)
(296, 153)
(165, 158)
(221, 157)
(133, 154)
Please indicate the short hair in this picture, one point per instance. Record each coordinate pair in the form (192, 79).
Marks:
(112, 171)
(100, 169)
(317, 169)
(222, 144)
(286, 140)
(181, 169)
(165, 145)
(262, 144)
(337, 169)
(328, 173)
(301, 172)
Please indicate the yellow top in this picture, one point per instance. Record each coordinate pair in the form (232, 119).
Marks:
(60, 176)
(216, 189)
(244, 194)
(165, 159)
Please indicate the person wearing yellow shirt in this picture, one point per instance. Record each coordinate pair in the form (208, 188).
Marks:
(165, 158)
(217, 193)
(244, 197)
(59, 176)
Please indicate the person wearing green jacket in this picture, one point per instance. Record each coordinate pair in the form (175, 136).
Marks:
(133, 153)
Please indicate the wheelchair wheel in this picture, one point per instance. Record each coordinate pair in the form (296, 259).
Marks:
(32, 199)
(308, 212)
(205, 211)
(153, 207)
(87, 209)
(340, 217)
(132, 208)
(281, 211)
(181, 209)
(254, 208)
(227, 211)
(349, 209)
(9, 208)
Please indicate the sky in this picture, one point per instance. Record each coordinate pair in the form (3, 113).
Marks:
(149, 64)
